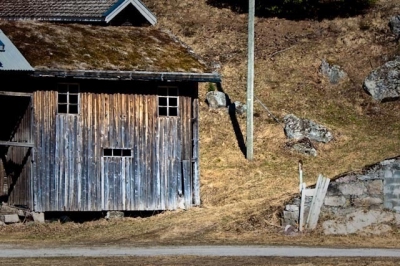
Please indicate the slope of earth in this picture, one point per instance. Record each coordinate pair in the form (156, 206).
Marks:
(242, 200)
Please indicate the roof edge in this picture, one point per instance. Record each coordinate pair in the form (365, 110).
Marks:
(129, 75)
(121, 5)
(70, 19)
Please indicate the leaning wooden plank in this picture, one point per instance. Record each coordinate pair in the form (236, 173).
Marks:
(304, 193)
(317, 202)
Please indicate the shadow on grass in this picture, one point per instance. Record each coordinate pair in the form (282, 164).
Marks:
(299, 9)
(234, 121)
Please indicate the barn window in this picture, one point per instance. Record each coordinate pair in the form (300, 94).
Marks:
(117, 153)
(68, 98)
(168, 101)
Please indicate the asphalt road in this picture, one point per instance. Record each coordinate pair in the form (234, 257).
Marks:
(216, 251)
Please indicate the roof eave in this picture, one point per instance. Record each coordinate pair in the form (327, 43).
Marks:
(129, 75)
(56, 19)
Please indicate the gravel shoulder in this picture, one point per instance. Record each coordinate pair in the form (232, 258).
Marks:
(209, 251)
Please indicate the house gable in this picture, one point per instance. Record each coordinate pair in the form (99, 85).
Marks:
(122, 5)
(10, 58)
(84, 11)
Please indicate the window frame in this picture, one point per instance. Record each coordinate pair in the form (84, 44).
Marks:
(163, 92)
(117, 156)
(68, 93)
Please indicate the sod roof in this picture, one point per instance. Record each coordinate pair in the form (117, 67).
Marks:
(50, 46)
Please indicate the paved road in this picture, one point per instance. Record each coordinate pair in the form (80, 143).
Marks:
(243, 251)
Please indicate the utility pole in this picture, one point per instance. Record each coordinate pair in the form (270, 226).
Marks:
(250, 83)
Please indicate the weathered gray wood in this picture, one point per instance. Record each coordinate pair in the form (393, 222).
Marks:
(137, 154)
(318, 199)
(306, 192)
(13, 93)
(186, 164)
(196, 159)
(162, 171)
(153, 178)
(157, 160)
(17, 144)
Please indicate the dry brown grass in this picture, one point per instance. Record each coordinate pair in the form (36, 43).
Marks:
(242, 200)
(203, 261)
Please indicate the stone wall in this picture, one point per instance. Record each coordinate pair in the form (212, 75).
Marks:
(367, 201)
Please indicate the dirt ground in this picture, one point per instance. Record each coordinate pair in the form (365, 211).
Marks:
(202, 261)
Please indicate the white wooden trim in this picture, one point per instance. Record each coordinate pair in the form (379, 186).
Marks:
(304, 193)
(318, 200)
(139, 6)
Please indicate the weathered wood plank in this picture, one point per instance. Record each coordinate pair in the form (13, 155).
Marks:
(147, 153)
(17, 144)
(13, 93)
(91, 184)
(96, 201)
(317, 201)
(85, 151)
(157, 165)
(151, 148)
(103, 182)
(161, 153)
(186, 165)
(196, 159)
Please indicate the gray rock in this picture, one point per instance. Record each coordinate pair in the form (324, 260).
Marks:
(355, 189)
(394, 25)
(333, 72)
(238, 108)
(114, 215)
(358, 221)
(383, 83)
(367, 202)
(335, 201)
(216, 99)
(375, 187)
(2, 223)
(9, 218)
(292, 208)
(303, 146)
(38, 217)
(297, 128)
(290, 230)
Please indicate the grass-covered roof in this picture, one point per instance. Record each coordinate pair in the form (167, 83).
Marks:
(49, 46)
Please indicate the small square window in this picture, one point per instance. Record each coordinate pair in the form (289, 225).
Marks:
(68, 98)
(168, 101)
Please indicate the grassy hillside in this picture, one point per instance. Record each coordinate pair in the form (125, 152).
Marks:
(242, 200)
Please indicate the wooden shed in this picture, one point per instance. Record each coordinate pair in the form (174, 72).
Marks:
(107, 121)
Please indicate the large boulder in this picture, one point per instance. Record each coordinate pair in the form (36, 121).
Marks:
(333, 72)
(216, 99)
(383, 83)
(297, 128)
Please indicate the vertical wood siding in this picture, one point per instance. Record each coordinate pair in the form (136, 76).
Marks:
(15, 167)
(157, 175)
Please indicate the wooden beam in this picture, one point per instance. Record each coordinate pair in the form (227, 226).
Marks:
(12, 93)
(17, 144)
